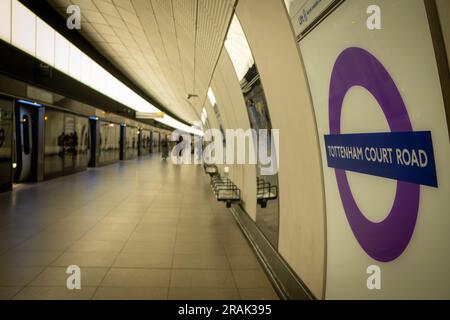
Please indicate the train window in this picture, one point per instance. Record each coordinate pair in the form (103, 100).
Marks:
(26, 134)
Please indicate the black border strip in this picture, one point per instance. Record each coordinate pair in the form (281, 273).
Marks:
(440, 53)
(284, 280)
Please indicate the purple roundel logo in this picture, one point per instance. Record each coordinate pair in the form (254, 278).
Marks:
(387, 240)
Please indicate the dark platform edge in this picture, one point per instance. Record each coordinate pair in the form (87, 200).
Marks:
(286, 283)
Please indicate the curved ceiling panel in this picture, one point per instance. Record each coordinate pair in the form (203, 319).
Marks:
(167, 47)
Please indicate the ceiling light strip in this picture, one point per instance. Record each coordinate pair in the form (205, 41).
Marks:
(73, 62)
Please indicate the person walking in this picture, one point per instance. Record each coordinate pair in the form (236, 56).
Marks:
(165, 148)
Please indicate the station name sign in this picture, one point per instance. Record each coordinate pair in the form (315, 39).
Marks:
(403, 156)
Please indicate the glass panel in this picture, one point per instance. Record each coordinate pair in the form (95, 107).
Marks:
(70, 139)
(131, 142)
(145, 142)
(54, 142)
(81, 142)
(109, 142)
(66, 143)
(6, 131)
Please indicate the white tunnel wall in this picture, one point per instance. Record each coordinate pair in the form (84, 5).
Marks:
(234, 114)
(302, 216)
(302, 234)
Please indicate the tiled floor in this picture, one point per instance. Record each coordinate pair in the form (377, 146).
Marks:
(141, 229)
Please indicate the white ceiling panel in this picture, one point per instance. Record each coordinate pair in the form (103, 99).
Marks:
(167, 47)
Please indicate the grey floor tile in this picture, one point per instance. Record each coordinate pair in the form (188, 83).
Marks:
(244, 262)
(154, 210)
(7, 243)
(238, 250)
(251, 279)
(107, 235)
(55, 293)
(121, 293)
(146, 247)
(119, 277)
(112, 227)
(258, 294)
(199, 248)
(156, 229)
(198, 237)
(132, 221)
(162, 238)
(196, 261)
(17, 276)
(202, 279)
(57, 276)
(164, 220)
(135, 213)
(28, 258)
(203, 294)
(86, 259)
(146, 260)
(6, 293)
(43, 245)
(97, 246)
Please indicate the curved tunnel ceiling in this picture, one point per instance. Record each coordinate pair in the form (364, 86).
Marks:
(168, 47)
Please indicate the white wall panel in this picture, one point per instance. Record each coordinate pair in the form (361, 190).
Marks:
(5, 20)
(95, 76)
(86, 69)
(302, 215)
(414, 263)
(62, 53)
(23, 33)
(45, 42)
(75, 63)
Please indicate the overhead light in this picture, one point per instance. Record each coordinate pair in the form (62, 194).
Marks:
(238, 48)
(150, 115)
(211, 97)
(30, 103)
(93, 118)
(191, 95)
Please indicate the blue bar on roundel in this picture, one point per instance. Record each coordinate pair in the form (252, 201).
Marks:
(403, 156)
